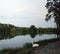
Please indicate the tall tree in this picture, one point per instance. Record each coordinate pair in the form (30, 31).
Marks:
(53, 7)
(33, 29)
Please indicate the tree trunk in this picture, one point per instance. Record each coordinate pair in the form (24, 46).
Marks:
(58, 30)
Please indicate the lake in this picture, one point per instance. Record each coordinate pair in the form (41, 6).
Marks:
(19, 41)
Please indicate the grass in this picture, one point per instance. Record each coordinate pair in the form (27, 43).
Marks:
(10, 50)
(27, 46)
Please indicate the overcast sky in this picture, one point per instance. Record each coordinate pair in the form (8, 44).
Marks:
(24, 13)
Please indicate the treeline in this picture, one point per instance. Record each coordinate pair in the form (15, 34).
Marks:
(6, 28)
(47, 30)
(33, 29)
(11, 29)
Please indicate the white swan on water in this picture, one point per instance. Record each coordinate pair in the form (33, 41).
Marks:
(35, 45)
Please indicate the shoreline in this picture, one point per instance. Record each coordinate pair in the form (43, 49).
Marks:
(28, 47)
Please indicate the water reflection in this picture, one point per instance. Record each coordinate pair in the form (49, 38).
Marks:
(58, 36)
(6, 36)
(32, 35)
(9, 36)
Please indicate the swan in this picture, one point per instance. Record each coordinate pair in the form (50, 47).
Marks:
(35, 45)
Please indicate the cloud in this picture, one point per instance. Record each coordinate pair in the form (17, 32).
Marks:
(23, 12)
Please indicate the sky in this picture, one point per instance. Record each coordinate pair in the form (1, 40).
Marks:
(24, 13)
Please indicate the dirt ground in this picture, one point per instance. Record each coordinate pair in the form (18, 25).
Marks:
(51, 48)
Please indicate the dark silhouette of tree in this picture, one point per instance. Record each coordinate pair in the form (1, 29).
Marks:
(32, 31)
(53, 7)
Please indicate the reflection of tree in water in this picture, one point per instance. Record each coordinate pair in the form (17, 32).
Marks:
(58, 35)
(5, 36)
(33, 35)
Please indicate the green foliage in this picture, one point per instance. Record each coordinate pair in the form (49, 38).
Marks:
(54, 12)
(13, 31)
(5, 28)
(32, 29)
(27, 46)
(47, 30)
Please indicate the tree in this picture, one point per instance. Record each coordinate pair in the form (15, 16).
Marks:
(13, 31)
(32, 31)
(53, 7)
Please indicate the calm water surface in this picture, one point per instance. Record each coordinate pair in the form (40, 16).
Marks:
(19, 41)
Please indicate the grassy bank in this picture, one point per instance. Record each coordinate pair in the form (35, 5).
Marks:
(21, 49)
